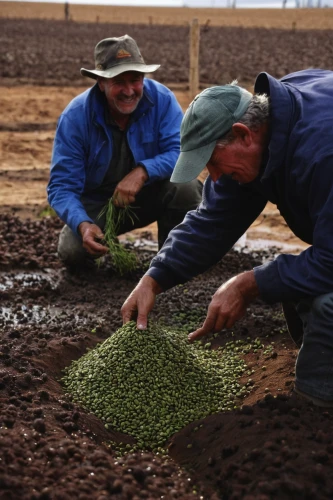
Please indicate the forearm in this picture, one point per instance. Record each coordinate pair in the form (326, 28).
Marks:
(247, 285)
(68, 173)
(160, 166)
(293, 277)
(69, 208)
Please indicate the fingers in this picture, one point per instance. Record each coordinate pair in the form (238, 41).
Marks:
(124, 194)
(96, 248)
(92, 246)
(129, 311)
(122, 200)
(140, 302)
(201, 332)
(207, 327)
(99, 236)
(141, 322)
(127, 189)
(118, 200)
(130, 307)
(214, 322)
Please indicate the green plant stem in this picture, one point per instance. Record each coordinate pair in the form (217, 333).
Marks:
(124, 260)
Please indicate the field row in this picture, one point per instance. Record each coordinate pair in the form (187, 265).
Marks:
(47, 52)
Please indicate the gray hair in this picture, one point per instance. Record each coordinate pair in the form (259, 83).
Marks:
(256, 115)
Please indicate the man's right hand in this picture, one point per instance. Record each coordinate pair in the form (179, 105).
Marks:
(140, 302)
(91, 233)
(127, 189)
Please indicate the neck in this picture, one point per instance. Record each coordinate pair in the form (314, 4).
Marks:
(121, 120)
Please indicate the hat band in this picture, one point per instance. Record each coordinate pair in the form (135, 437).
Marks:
(100, 67)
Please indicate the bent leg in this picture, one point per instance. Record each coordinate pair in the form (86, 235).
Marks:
(70, 249)
(294, 322)
(164, 202)
(314, 365)
(177, 199)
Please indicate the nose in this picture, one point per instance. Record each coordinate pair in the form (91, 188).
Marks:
(128, 89)
(213, 172)
(214, 176)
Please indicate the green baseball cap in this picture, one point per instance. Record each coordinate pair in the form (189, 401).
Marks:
(210, 115)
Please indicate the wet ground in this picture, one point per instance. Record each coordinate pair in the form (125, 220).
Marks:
(274, 446)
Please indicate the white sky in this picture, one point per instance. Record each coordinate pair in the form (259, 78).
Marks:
(192, 3)
(196, 3)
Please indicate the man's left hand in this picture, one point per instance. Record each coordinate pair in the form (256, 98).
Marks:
(228, 305)
(127, 189)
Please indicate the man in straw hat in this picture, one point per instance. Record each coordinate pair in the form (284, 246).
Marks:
(275, 145)
(120, 140)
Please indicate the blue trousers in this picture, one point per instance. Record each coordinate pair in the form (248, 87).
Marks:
(314, 364)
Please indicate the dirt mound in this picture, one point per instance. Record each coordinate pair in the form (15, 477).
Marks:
(275, 446)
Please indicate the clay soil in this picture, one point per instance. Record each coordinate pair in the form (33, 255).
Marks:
(275, 446)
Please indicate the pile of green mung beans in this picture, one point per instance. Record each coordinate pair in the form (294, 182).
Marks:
(151, 383)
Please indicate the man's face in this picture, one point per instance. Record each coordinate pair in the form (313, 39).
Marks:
(239, 160)
(123, 92)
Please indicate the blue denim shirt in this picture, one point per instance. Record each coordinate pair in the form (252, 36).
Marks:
(83, 146)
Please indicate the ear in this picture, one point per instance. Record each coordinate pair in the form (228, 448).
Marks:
(100, 81)
(242, 133)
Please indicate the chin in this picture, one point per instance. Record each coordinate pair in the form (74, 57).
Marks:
(127, 110)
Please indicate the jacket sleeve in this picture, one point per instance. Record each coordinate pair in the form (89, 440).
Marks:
(309, 274)
(208, 233)
(67, 176)
(161, 165)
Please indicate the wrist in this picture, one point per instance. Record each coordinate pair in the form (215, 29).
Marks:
(143, 170)
(248, 285)
(82, 226)
(151, 283)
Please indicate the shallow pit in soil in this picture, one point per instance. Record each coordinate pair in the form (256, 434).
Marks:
(275, 446)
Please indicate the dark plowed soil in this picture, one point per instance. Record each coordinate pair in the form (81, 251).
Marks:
(52, 52)
(274, 446)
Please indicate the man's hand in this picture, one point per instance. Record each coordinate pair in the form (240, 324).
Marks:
(140, 302)
(127, 189)
(90, 233)
(228, 305)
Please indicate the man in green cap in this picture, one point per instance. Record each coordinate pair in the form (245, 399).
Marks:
(120, 139)
(273, 146)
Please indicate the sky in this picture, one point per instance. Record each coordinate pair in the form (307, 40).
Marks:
(196, 3)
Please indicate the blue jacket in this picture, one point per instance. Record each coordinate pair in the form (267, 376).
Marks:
(298, 178)
(83, 146)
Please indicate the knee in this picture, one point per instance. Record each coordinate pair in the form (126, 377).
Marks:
(70, 250)
(323, 306)
(186, 196)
